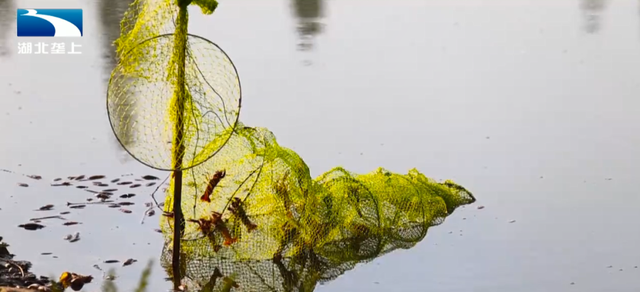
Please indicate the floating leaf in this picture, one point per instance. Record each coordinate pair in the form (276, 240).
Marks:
(126, 211)
(77, 206)
(126, 196)
(69, 223)
(94, 177)
(36, 177)
(66, 183)
(31, 226)
(150, 177)
(111, 261)
(124, 183)
(23, 185)
(129, 262)
(135, 186)
(45, 208)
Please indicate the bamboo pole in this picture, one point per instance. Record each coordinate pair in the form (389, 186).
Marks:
(180, 46)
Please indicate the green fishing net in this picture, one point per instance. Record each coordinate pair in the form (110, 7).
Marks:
(255, 217)
(308, 230)
(141, 99)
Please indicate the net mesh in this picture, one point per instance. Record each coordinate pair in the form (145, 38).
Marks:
(306, 230)
(141, 99)
(256, 220)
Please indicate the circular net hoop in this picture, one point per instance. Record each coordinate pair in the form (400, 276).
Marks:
(140, 101)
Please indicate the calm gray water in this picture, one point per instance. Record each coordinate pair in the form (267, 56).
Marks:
(531, 105)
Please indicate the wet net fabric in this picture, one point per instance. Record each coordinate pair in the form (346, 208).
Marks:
(308, 230)
(141, 99)
(256, 220)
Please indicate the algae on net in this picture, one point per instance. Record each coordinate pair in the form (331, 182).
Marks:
(308, 231)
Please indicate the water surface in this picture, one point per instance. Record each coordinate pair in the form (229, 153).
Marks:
(531, 105)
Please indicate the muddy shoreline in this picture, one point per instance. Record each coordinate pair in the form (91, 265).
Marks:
(15, 274)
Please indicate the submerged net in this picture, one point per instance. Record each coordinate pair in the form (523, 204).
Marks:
(255, 216)
(307, 230)
(141, 99)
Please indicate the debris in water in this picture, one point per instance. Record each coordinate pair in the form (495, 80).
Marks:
(158, 230)
(65, 213)
(46, 253)
(63, 184)
(122, 183)
(151, 213)
(608, 178)
(126, 196)
(57, 179)
(69, 223)
(94, 177)
(135, 186)
(47, 217)
(45, 208)
(512, 221)
(89, 199)
(77, 206)
(151, 184)
(114, 205)
(102, 185)
(75, 237)
(480, 207)
(115, 180)
(68, 237)
(78, 178)
(111, 261)
(103, 196)
(150, 177)
(82, 187)
(23, 185)
(126, 203)
(36, 177)
(126, 211)
(129, 262)
(110, 190)
(31, 226)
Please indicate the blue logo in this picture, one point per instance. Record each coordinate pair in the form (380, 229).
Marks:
(49, 22)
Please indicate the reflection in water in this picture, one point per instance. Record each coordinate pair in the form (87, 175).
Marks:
(592, 10)
(7, 16)
(267, 226)
(111, 12)
(308, 14)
